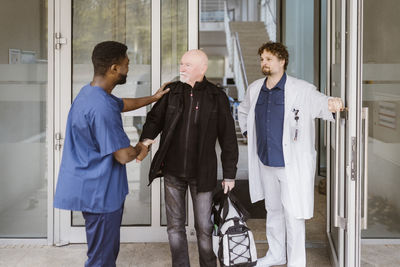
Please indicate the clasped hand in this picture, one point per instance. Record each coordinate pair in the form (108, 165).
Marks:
(143, 149)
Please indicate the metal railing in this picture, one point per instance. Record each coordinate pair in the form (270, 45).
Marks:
(236, 62)
(268, 16)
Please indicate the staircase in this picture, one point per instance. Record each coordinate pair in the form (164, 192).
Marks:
(239, 135)
(251, 36)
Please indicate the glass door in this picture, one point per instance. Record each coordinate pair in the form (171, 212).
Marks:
(380, 100)
(344, 138)
(26, 122)
(145, 27)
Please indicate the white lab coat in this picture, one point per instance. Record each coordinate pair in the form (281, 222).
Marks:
(299, 155)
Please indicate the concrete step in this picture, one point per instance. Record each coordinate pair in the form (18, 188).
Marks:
(245, 25)
(262, 33)
(251, 36)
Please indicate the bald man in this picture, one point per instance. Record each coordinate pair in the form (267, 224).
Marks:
(190, 118)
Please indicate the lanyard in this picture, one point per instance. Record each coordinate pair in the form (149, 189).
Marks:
(296, 118)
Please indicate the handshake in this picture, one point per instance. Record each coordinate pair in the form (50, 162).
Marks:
(142, 149)
(139, 152)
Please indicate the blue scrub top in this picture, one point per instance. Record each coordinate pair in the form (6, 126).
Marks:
(90, 179)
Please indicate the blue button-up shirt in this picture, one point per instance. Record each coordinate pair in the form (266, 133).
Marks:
(90, 179)
(269, 112)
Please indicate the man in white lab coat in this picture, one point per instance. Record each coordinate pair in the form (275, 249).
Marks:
(278, 117)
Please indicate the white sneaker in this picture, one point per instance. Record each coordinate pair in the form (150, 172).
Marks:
(267, 262)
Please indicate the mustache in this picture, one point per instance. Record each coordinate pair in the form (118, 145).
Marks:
(182, 73)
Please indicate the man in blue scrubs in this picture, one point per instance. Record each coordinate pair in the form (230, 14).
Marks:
(92, 176)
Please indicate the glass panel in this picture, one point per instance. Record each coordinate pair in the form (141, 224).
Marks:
(23, 120)
(299, 38)
(381, 94)
(129, 22)
(174, 34)
(336, 80)
(174, 43)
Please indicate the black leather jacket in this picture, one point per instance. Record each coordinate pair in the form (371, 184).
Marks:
(215, 121)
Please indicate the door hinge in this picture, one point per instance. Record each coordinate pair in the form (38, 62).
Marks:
(59, 40)
(58, 141)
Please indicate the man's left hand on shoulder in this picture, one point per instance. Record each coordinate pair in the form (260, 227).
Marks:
(228, 185)
(335, 104)
(162, 91)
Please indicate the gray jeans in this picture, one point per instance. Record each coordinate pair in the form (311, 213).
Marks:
(175, 191)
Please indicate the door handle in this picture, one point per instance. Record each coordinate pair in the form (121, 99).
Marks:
(365, 206)
(336, 181)
(338, 221)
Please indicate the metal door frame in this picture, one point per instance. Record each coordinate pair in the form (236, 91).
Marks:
(60, 230)
(348, 200)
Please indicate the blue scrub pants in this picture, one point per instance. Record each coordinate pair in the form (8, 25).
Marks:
(103, 235)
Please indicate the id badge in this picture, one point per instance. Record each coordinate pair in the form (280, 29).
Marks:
(295, 133)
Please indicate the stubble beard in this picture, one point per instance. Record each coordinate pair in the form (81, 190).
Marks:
(266, 71)
(122, 79)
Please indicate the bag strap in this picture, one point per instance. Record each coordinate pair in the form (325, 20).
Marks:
(222, 199)
(219, 199)
(239, 207)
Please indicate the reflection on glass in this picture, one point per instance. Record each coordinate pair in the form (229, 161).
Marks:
(128, 22)
(174, 37)
(381, 94)
(23, 120)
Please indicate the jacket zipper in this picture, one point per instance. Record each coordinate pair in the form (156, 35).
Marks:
(196, 113)
(187, 131)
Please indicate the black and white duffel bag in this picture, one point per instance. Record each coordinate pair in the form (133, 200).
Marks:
(233, 241)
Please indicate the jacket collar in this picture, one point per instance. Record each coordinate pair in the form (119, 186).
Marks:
(203, 85)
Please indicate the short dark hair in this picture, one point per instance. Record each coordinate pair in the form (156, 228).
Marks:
(107, 53)
(277, 49)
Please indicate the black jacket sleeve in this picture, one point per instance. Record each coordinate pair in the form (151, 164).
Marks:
(227, 138)
(155, 119)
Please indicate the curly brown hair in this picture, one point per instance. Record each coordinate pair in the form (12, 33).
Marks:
(277, 49)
